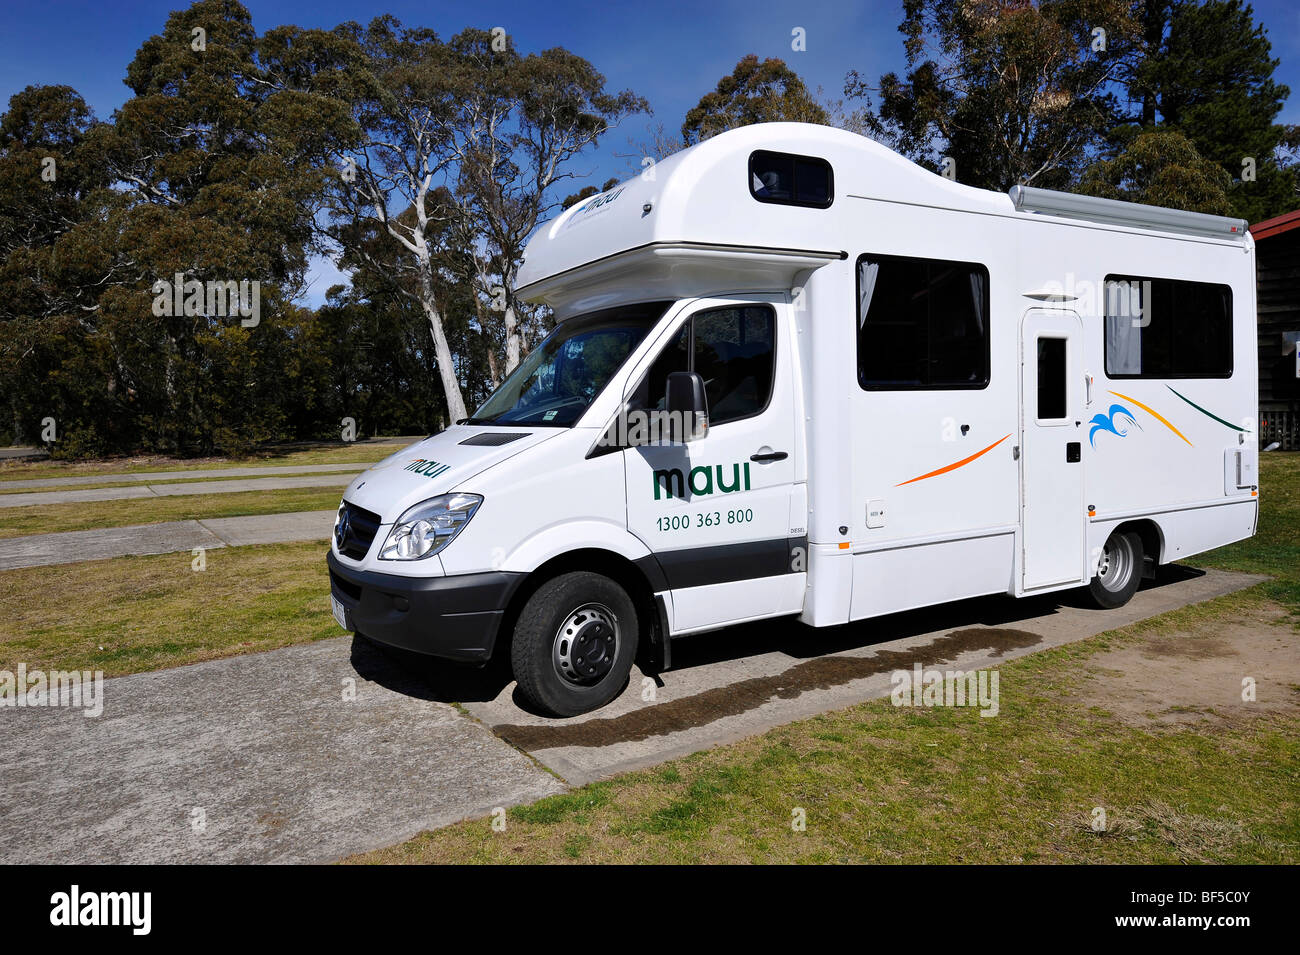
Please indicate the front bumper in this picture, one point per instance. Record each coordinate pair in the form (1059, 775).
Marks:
(456, 618)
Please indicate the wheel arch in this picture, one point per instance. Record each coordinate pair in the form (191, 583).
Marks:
(1153, 542)
(632, 576)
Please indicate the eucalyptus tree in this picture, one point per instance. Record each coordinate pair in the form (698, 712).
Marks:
(458, 153)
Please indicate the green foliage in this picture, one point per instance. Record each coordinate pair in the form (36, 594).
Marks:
(216, 170)
(1175, 104)
(1011, 92)
(1160, 168)
(1207, 74)
(754, 92)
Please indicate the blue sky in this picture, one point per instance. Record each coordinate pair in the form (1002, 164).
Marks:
(670, 53)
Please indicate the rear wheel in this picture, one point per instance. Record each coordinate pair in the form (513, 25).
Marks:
(574, 644)
(1119, 571)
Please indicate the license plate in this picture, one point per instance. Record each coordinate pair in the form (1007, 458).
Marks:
(340, 612)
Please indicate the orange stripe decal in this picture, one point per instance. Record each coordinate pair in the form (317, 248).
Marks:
(1155, 414)
(953, 467)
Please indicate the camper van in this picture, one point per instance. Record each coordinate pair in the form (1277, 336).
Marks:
(795, 375)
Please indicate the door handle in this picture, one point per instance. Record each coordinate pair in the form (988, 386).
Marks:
(765, 457)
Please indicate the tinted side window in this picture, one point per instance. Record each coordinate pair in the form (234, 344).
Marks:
(791, 180)
(922, 323)
(1166, 328)
(734, 348)
(1051, 378)
(734, 351)
(650, 391)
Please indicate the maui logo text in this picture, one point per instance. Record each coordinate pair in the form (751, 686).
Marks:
(702, 481)
(594, 207)
(428, 468)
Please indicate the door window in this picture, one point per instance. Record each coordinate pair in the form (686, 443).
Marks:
(1051, 378)
(733, 350)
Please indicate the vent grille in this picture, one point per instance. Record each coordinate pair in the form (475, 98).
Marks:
(351, 589)
(491, 439)
(359, 527)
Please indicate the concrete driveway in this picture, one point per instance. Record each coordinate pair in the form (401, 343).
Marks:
(156, 477)
(257, 758)
(180, 488)
(282, 768)
(69, 547)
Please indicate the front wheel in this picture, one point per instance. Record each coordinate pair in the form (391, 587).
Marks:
(574, 644)
(1119, 571)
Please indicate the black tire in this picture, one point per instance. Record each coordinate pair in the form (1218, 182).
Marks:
(1119, 571)
(575, 610)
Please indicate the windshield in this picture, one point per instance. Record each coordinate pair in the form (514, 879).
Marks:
(562, 376)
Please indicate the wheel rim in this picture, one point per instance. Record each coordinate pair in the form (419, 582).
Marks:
(586, 645)
(1116, 565)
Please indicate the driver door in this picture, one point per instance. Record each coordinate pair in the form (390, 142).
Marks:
(716, 512)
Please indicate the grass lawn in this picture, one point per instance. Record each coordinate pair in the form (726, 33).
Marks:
(339, 453)
(1144, 723)
(144, 613)
(51, 518)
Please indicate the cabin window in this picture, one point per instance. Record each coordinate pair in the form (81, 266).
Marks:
(733, 350)
(1051, 378)
(1167, 328)
(791, 180)
(922, 323)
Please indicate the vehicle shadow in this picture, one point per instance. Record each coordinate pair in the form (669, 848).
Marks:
(427, 678)
(802, 643)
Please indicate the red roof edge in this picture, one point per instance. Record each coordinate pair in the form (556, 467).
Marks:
(1278, 224)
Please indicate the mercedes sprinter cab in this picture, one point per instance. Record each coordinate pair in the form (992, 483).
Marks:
(795, 375)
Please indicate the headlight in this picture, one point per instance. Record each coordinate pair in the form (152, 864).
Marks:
(429, 526)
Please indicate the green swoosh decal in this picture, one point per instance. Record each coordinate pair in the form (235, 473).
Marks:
(1208, 414)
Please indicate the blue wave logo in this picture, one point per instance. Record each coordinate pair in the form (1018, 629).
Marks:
(1112, 422)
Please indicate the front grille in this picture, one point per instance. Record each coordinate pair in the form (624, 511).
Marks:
(494, 439)
(359, 532)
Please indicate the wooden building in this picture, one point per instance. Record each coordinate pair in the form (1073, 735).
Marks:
(1277, 250)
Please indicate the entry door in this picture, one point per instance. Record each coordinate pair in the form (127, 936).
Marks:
(716, 512)
(1051, 449)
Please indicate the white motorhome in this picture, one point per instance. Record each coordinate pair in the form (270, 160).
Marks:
(870, 389)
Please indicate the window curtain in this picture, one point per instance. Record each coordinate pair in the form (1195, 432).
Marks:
(977, 299)
(868, 271)
(1123, 328)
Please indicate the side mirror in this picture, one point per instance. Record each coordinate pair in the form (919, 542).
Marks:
(687, 406)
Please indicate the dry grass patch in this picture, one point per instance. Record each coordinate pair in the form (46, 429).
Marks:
(145, 613)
